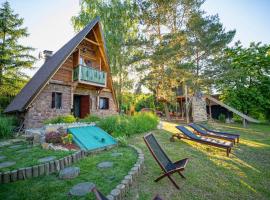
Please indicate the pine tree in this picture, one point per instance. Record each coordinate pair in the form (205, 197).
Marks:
(14, 57)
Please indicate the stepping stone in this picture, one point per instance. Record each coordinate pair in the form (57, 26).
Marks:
(5, 143)
(15, 146)
(7, 164)
(46, 159)
(69, 173)
(82, 189)
(2, 157)
(104, 165)
(116, 154)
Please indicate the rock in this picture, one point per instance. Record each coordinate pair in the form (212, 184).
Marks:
(37, 133)
(82, 189)
(45, 146)
(69, 173)
(23, 150)
(4, 143)
(46, 159)
(2, 157)
(116, 154)
(15, 146)
(104, 165)
(7, 164)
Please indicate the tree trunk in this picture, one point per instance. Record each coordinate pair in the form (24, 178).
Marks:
(166, 111)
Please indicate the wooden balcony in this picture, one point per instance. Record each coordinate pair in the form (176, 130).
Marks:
(89, 75)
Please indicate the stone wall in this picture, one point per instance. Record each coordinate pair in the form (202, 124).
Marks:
(41, 110)
(199, 113)
(93, 102)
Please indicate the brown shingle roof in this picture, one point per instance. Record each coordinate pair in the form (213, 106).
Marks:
(31, 89)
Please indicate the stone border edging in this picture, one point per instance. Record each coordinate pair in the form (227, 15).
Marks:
(119, 192)
(41, 169)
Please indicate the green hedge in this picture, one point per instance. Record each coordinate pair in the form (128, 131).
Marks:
(121, 125)
(90, 118)
(7, 124)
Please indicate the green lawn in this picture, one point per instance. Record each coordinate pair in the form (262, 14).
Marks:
(29, 157)
(50, 187)
(210, 174)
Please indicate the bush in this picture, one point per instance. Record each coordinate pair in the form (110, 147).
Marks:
(123, 125)
(53, 137)
(222, 118)
(7, 124)
(122, 141)
(61, 119)
(90, 118)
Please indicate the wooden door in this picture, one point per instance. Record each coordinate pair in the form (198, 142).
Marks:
(84, 106)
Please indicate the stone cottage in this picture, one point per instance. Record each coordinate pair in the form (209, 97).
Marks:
(74, 80)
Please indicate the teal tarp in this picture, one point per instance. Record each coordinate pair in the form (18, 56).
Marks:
(91, 137)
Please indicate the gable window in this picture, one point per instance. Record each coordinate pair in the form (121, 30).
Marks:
(103, 103)
(57, 100)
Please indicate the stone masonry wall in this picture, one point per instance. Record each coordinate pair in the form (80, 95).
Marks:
(199, 113)
(41, 110)
(93, 102)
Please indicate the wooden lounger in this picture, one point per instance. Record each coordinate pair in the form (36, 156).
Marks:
(203, 132)
(237, 136)
(187, 134)
(162, 159)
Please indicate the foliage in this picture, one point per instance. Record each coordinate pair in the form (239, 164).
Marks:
(7, 124)
(90, 118)
(67, 139)
(244, 78)
(120, 25)
(53, 137)
(222, 118)
(122, 125)
(14, 57)
(61, 119)
(122, 141)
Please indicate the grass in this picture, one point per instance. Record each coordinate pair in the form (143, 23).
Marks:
(210, 174)
(50, 187)
(29, 158)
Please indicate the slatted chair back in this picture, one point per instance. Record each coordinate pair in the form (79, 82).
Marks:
(198, 129)
(187, 132)
(157, 152)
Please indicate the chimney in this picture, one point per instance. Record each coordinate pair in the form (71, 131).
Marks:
(47, 54)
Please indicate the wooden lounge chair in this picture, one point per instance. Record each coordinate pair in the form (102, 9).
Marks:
(100, 196)
(164, 162)
(237, 136)
(203, 132)
(187, 134)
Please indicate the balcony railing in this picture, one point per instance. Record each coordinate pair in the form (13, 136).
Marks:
(89, 75)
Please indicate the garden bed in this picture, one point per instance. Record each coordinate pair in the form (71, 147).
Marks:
(51, 187)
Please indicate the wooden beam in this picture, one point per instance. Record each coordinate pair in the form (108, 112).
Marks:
(92, 41)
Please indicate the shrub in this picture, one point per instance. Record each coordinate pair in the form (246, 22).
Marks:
(222, 117)
(122, 141)
(61, 119)
(53, 137)
(7, 125)
(90, 118)
(67, 138)
(123, 125)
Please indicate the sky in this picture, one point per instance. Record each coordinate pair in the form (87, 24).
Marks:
(50, 27)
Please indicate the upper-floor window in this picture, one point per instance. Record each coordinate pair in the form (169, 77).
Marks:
(85, 62)
(103, 103)
(57, 100)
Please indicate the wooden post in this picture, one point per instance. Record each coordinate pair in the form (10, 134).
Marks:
(186, 98)
(244, 123)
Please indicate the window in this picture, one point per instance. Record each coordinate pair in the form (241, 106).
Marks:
(103, 103)
(57, 100)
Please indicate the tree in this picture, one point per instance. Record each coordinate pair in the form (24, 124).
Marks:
(244, 78)
(14, 57)
(120, 25)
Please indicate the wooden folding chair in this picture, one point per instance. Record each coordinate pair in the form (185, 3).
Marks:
(163, 161)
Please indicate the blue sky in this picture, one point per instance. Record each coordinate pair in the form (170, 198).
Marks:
(49, 24)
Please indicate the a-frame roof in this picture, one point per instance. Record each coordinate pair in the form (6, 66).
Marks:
(46, 71)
